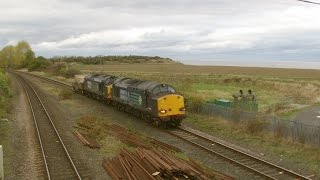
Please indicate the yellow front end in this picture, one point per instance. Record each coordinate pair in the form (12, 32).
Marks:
(171, 105)
(109, 92)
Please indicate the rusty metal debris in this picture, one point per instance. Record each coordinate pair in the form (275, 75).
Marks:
(152, 159)
(86, 141)
(134, 140)
(144, 164)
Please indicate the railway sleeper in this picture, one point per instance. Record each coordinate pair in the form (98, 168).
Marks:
(271, 171)
(251, 163)
(242, 159)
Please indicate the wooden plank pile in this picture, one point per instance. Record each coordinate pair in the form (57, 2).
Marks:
(145, 164)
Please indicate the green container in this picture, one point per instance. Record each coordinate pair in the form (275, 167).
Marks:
(246, 106)
(223, 102)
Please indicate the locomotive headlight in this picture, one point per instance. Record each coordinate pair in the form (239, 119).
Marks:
(163, 111)
(182, 109)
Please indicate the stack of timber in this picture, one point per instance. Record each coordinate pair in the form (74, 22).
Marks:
(152, 164)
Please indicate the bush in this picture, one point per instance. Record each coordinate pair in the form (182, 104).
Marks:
(4, 93)
(61, 69)
(70, 73)
(4, 85)
(194, 103)
(37, 64)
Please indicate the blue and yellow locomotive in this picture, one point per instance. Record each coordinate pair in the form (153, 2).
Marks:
(154, 102)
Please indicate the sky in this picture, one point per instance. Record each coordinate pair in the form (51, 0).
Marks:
(184, 30)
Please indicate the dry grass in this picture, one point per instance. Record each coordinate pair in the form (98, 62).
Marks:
(94, 128)
(254, 127)
(111, 145)
(217, 70)
(64, 95)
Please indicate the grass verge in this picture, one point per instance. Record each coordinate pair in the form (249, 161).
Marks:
(5, 127)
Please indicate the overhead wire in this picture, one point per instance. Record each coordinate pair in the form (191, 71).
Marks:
(310, 2)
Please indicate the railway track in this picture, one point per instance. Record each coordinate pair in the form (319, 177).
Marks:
(68, 86)
(57, 161)
(259, 167)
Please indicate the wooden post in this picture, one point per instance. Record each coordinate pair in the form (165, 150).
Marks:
(1, 164)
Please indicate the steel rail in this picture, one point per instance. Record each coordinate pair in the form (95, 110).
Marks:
(236, 152)
(47, 79)
(55, 129)
(38, 132)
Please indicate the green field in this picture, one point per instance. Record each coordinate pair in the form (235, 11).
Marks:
(279, 91)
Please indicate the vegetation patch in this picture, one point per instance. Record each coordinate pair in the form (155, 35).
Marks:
(95, 129)
(62, 69)
(65, 94)
(4, 132)
(4, 94)
(5, 126)
(132, 59)
(38, 64)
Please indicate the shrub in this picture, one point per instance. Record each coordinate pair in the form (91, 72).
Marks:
(37, 64)
(4, 93)
(4, 85)
(62, 69)
(55, 69)
(194, 103)
(70, 73)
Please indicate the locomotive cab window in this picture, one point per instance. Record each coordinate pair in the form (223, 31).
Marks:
(163, 89)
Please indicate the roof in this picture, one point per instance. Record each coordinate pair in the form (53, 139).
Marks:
(98, 77)
(146, 85)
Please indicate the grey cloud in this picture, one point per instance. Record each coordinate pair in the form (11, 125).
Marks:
(179, 28)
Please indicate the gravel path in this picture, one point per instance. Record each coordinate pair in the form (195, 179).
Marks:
(309, 116)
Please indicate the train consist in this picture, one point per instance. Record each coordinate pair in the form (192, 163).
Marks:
(154, 102)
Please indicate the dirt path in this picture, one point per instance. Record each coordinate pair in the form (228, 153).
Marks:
(309, 116)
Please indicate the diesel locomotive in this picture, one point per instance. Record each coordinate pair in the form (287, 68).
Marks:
(154, 102)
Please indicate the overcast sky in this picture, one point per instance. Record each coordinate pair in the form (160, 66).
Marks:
(179, 29)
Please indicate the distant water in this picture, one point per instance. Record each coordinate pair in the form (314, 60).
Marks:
(271, 64)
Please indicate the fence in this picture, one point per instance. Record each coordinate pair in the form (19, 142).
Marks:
(279, 127)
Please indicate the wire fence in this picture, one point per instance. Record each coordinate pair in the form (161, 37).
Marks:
(296, 131)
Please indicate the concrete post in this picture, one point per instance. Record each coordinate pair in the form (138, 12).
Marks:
(1, 164)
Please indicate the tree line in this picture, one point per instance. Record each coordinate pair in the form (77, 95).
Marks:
(21, 55)
(16, 56)
(132, 59)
